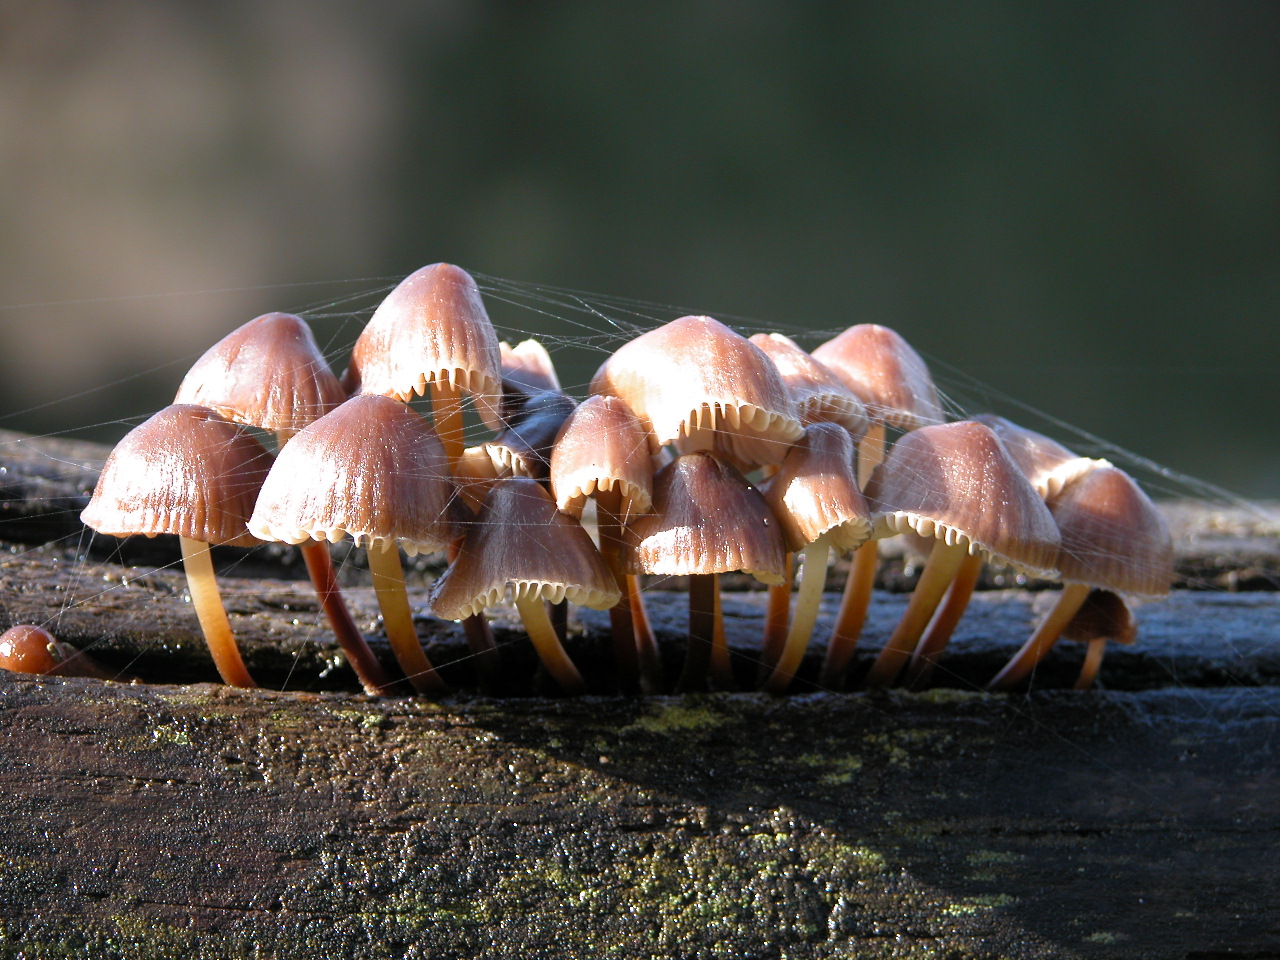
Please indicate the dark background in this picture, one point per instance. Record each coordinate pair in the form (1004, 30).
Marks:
(1078, 205)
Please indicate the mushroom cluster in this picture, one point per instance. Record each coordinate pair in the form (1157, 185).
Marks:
(703, 453)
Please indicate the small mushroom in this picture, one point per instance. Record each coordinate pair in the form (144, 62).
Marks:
(375, 471)
(186, 471)
(521, 547)
(27, 648)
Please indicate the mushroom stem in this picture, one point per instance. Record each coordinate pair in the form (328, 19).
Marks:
(608, 503)
(944, 622)
(702, 629)
(212, 615)
(397, 618)
(446, 413)
(372, 677)
(813, 577)
(480, 640)
(1092, 663)
(862, 576)
(939, 570)
(777, 614)
(533, 614)
(721, 669)
(646, 644)
(1041, 642)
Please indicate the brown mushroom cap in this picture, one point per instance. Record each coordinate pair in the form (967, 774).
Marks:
(27, 648)
(372, 470)
(186, 471)
(268, 373)
(694, 380)
(1103, 616)
(888, 376)
(956, 482)
(815, 491)
(433, 326)
(1112, 535)
(1045, 462)
(819, 394)
(602, 446)
(528, 367)
(520, 545)
(706, 519)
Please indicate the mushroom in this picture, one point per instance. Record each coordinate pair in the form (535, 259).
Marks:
(186, 471)
(706, 520)
(602, 452)
(1103, 616)
(432, 331)
(527, 368)
(27, 648)
(1113, 538)
(894, 384)
(956, 483)
(521, 547)
(815, 496)
(270, 374)
(375, 471)
(523, 447)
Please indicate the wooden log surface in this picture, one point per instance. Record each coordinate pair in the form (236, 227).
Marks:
(176, 817)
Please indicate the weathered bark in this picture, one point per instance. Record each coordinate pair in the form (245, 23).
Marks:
(193, 820)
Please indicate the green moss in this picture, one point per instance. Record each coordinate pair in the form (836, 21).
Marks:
(677, 717)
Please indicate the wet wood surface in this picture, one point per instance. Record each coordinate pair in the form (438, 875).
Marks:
(177, 817)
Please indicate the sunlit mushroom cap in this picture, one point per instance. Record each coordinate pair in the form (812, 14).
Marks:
(27, 648)
(186, 471)
(268, 373)
(696, 383)
(887, 375)
(1103, 616)
(372, 470)
(956, 482)
(819, 394)
(523, 447)
(602, 446)
(528, 367)
(1045, 462)
(1112, 535)
(706, 519)
(520, 545)
(433, 326)
(815, 491)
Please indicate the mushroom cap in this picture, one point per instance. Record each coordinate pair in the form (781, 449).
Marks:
(706, 519)
(696, 382)
(527, 366)
(1044, 461)
(523, 447)
(602, 446)
(956, 482)
(1113, 536)
(268, 373)
(815, 491)
(185, 471)
(520, 545)
(886, 374)
(27, 648)
(372, 470)
(819, 394)
(433, 326)
(1103, 616)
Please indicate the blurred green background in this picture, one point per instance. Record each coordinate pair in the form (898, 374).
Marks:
(1075, 205)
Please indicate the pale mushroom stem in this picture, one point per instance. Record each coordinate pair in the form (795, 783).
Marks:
(1041, 642)
(533, 614)
(446, 413)
(368, 670)
(646, 643)
(1092, 663)
(935, 639)
(212, 615)
(777, 615)
(397, 618)
(608, 504)
(813, 577)
(721, 668)
(702, 629)
(939, 570)
(862, 576)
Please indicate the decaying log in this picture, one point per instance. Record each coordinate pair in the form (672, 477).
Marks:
(177, 817)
